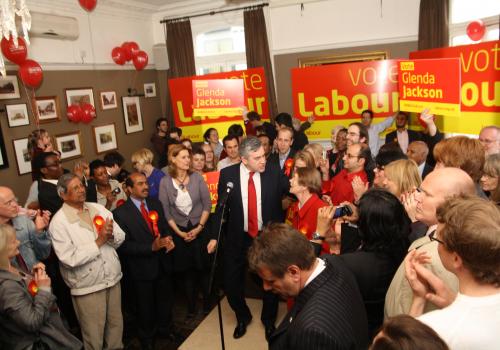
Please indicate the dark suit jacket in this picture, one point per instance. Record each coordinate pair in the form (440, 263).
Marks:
(274, 184)
(140, 261)
(275, 158)
(327, 314)
(427, 170)
(412, 136)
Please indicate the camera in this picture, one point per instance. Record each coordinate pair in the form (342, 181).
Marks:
(116, 191)
(344, 210)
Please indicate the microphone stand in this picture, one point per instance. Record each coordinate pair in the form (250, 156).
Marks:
(212, 272)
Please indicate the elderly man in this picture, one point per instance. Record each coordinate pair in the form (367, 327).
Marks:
(490, 139)
(328, 312)
(31, 232)
(84, 238)
(435, 189)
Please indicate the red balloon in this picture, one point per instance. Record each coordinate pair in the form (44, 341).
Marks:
(88, 113)
(132, 47)
(127, 51)
(476, 30)
(74, 113)
(141, 60)
(88, 5)
(118, 55)
(14, 54)
(31, 73)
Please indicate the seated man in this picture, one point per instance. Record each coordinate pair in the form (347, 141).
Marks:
(469, 246)
(34, 240)
(84, 238)
(328, 311)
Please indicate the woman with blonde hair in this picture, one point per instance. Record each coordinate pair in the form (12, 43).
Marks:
(186, 203)
(490, 180)
(29, 317)
(142, 161)
(317, 152)
(401, 176)
(303, 159)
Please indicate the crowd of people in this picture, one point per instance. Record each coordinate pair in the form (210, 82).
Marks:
(377, 245)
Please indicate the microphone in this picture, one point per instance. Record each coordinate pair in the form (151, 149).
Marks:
(225, 195)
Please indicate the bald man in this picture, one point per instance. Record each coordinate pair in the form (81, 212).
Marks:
(418, 151)
(435, 189)
(490, 139)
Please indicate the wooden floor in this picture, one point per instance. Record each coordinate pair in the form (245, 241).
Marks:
(207, 337)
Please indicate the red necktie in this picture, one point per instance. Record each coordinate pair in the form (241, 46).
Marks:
(145, 215)
(253, 224)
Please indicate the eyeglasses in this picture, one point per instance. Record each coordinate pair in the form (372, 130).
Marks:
(350, 156)
(53, 165)
(433, 238)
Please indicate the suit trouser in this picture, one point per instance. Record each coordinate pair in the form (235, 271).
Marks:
(154, 301)
(100, 317)
(235, 267)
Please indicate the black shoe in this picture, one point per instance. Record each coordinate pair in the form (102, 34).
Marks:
(240, 329)
(269, 331)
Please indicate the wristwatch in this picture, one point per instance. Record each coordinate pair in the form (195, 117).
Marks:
(317, 237)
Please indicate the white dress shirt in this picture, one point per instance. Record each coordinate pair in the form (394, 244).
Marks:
(320, 266)
(373, 134)
(403, 140)
(244, 175)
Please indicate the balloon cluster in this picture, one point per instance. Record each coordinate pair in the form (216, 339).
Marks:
(476, 30)
(80, 113)
(30, 71)
(88, 5)
(130, 51)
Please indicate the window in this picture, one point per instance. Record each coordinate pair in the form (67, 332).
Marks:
(465, 11)
(220, 50)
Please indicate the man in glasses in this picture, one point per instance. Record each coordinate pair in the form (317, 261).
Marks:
(438, 186)
(490, 139)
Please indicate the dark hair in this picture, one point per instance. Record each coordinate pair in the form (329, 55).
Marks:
(230, 137)
(369, 111)
(96, 163)
(384, 224)
(198, 150)
(366, 154)
(175, 129)
(265, 135)
(403, 113)
(284, 119)
(252, 115)
(187, 140)
(113, 157)
(159, 121)
(404, 332)
(235, 129)
(260, 130)
(40, 159)
(363, 131)
(206, 134)
(278, 247)
(386, 157)
(391, 147)
(129, 182)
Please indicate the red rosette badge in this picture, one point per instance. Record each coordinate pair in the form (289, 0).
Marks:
(288, 166)
(153, 216)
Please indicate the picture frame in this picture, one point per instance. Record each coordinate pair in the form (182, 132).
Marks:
(132, 114)
(108, 100)
(105, 138)
(23, 157)
(79, 96)
(9, 87)
(47, 109)
(4, 163)
(17, 115)
(69, 145)
(150, 90)
(344, 58)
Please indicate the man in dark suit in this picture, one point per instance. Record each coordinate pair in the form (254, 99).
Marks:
(328, 312)
(402, 135)
(145, 258)
(418, 151)
(254, 201)
(284, 142)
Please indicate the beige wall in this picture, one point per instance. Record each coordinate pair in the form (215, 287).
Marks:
(284, 63)
(54, 84)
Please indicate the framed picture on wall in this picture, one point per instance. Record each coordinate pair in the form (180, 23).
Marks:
(47, 109)
(105, 138)
(108, 100)
(132, 114)
(4, 163)
(9, 87)
(17, 115)
(80, 96)
(23, 157)
(69, 144)
(150, 90)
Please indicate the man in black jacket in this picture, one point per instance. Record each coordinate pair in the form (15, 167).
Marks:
(328, 312)
(255, 200)
(145, 257)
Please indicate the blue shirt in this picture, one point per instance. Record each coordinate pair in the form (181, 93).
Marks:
(154, 183)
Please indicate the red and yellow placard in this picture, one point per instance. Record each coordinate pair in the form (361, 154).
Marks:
(218, 97)
(255, 98)
(480, 85)
(430, 83)
(212, 180)
(338, 93)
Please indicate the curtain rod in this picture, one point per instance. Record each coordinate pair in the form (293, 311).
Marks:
(211, 13)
